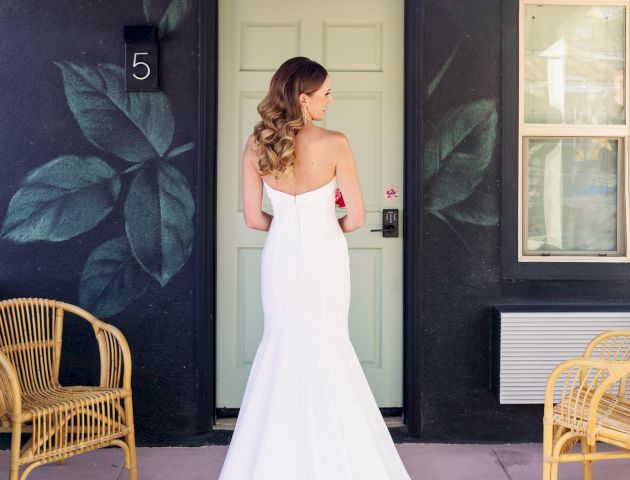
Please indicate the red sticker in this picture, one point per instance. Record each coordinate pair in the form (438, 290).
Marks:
(391, 192)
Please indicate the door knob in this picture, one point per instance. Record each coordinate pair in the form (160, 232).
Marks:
(388, 228)
(390, 223)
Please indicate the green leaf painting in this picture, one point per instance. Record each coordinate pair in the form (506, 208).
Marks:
(111, 279)
(433, 84)
(456, 160)
(158, 220)
(172, 16)
(61, 199)
(148, 6)
(458, 151)
(73, 194)
(475, 121)
(176, 152)
(480, 208)
(134, 126)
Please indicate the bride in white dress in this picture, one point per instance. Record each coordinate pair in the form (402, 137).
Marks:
(307, 412)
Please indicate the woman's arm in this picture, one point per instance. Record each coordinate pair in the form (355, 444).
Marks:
(261, 223)
(255, 217)
(347, 225)
(348, 183)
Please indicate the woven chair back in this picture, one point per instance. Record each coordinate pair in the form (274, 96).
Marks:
(612, 346)
(30, 335)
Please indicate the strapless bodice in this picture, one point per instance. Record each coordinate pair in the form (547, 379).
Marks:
(304, 198)
(309, 215)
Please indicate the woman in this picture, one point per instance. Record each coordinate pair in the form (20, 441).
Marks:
(307, 412)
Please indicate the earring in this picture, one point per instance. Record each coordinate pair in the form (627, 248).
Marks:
(305, 114)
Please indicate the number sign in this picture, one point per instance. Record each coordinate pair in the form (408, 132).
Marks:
(141, 58)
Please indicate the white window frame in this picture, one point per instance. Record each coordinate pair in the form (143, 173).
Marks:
(622, 132)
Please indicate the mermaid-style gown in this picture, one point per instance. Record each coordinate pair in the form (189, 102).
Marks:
(308, 412)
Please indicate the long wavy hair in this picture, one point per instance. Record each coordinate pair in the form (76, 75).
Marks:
(281, 114)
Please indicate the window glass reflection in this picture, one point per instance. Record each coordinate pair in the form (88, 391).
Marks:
(571, 195)
(574, 64)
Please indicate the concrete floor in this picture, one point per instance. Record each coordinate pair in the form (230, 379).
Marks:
(423, 461)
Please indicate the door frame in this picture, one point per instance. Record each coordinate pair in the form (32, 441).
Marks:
(206, 271)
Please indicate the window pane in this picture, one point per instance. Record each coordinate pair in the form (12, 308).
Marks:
(571, 195)
(574, 64)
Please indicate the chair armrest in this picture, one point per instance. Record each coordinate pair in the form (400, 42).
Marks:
(115, 356)
(113, 348)
(585, 382)
(10, 391)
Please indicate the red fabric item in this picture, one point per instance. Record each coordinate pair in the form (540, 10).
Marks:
(339, 199)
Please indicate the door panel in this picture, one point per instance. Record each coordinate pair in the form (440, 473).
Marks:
(361, 45)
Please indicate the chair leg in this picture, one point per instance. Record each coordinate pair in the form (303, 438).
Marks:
(130, 439)
(547, 452)
(16, 440)
(588, 464)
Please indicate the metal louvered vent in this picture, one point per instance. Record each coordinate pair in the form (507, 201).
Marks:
(527, 346)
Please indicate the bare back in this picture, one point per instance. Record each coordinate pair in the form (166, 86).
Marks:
(320, 155)
(315, 162)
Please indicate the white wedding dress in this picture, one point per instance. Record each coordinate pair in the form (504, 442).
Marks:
(308, 412)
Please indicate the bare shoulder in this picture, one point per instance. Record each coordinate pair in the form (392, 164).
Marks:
(249, 153)
(337, 144)
(330, 139)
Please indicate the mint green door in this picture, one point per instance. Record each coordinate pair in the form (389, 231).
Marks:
(360, 42)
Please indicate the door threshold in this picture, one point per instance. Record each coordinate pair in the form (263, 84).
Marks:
(224, 424)
(230, 423)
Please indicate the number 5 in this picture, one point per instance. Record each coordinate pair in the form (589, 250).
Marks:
(137, 63)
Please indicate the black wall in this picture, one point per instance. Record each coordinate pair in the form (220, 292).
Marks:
(461, 263)
(158, 311)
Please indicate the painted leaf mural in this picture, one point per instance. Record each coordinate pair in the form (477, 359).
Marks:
(474, 122)
(134, 126)
(111, 279)
(180, 150)
(457, 155)
(456, 160)
(462, 151)
(433, 84)
(148, 6)
(72, 194)
(480, 208)
(158, 220)
(172, 16)
(61, 199)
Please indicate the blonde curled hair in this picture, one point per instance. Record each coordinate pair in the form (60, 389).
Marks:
(282, 116)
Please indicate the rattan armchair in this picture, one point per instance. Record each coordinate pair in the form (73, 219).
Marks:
(63, 421)
(592, 405)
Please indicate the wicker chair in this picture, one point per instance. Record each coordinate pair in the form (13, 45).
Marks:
(63, 421)
(592, 406)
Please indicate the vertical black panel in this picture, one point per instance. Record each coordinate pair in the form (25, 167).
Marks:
(412, 226)
(206, 267)
(509, 153)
